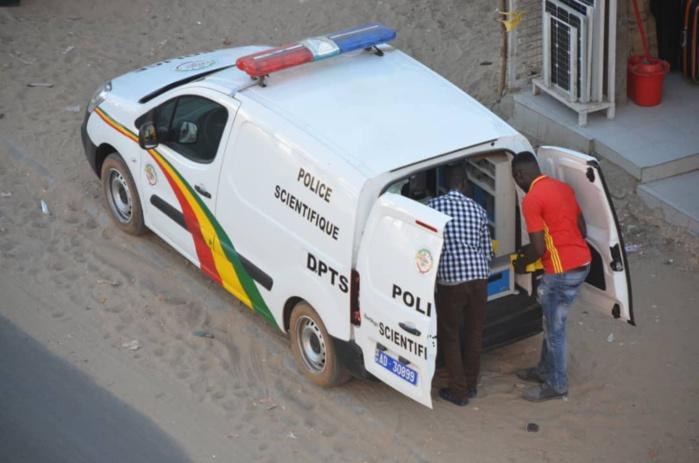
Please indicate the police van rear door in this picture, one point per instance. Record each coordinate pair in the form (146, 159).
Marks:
(608, 287)
(397, 264)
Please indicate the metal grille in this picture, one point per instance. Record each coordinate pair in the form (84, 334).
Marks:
(579, 55)
(573, 69)
(561, 24)
(560, 54)
(578, 5)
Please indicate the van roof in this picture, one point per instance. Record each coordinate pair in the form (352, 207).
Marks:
(378, 113)
(143, 84)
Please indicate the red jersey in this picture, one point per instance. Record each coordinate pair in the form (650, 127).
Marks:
(550, 206)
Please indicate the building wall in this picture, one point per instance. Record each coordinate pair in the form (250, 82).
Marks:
(623, 47)
(524, 44)
(649, 26)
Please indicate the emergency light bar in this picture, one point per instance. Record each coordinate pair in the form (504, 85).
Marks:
(315, 48)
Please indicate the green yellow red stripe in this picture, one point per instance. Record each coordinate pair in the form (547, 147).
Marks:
(116, 126)
(215, 251)
(206, 259)
(217, 263)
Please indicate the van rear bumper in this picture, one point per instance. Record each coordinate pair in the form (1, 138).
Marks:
(511, 319)
(351, 357)
(508, 320)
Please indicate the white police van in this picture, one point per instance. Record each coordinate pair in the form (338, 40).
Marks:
(301, 190)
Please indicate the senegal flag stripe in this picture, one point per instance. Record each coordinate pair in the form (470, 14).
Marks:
(206, 258)
(215, 251)
(202, 232)
(115, 125)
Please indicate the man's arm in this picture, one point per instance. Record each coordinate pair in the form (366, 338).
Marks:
(532, 211)
(582, 226)
(531, 252)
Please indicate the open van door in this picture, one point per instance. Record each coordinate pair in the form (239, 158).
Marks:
(608, 286)
(397, 263)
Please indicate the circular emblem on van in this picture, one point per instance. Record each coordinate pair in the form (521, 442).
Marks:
(151, 176)
(195, 65)
(424, 261)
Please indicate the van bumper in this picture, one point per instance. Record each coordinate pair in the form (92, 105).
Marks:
(351, 357)
(510, 319)
(88, 146)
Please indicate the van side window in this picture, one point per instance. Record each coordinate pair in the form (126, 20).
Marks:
(192, 126)
(163, 118)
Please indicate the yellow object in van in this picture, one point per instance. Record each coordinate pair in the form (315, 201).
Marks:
(531, 268)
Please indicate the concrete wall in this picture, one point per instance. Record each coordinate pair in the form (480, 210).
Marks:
(623, 46)
(648, 24)
(524, 44)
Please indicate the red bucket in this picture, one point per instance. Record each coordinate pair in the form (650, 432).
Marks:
(645, 79)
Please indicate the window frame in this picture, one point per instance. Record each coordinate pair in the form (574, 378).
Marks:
(153, 113)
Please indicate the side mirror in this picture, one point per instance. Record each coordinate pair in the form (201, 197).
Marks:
(148, 136)
(188, 133)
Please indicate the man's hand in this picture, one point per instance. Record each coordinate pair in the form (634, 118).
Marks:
(531, 252)
(520, 266)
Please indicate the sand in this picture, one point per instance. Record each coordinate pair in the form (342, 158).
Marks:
(80, 292)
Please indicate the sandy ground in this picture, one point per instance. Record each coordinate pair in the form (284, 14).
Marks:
(74, 291)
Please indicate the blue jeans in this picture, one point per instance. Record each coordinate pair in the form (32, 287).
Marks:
(556, 293)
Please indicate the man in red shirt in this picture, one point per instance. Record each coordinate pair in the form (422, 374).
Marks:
(557, 232)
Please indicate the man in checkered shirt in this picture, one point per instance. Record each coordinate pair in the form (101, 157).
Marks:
(462, 280)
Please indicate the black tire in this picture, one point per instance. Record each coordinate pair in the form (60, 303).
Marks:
(121, 196)
(313, 348)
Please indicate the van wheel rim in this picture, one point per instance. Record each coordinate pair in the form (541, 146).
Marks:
(311, 344)
(119, 196)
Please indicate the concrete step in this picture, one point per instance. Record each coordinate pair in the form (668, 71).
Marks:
(677, 197)
(649, 143)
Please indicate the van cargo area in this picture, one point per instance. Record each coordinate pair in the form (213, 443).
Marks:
(512, 312)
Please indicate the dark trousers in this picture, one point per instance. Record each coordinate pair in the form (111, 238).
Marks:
(456, 304)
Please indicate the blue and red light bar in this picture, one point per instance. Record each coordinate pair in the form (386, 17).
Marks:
(315, 48)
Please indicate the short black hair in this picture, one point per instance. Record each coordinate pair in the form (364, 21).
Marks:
(454, 175)
(525, 160)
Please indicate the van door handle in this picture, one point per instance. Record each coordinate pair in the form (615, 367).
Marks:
(409, 329)
(202, 191)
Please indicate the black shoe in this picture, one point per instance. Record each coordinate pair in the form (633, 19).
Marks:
(472, 392)
(542, 393)
(529, 374)
(446, 394)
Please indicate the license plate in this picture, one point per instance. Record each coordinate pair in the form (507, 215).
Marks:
(397, 368)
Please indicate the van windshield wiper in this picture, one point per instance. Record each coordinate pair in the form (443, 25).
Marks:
(177, 83)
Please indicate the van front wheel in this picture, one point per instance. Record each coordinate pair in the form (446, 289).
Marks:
(313, 348)
(121, 196)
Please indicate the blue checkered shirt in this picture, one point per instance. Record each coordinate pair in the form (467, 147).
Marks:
(467, 248)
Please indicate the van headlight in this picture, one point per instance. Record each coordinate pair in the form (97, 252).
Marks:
(99, 96)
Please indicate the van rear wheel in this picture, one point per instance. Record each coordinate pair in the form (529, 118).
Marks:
(313, 348)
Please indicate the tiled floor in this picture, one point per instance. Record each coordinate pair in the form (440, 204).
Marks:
(649, 142)
(677, 197)
(658, 145)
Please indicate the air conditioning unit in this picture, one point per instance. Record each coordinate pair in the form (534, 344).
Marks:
(574, 65)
